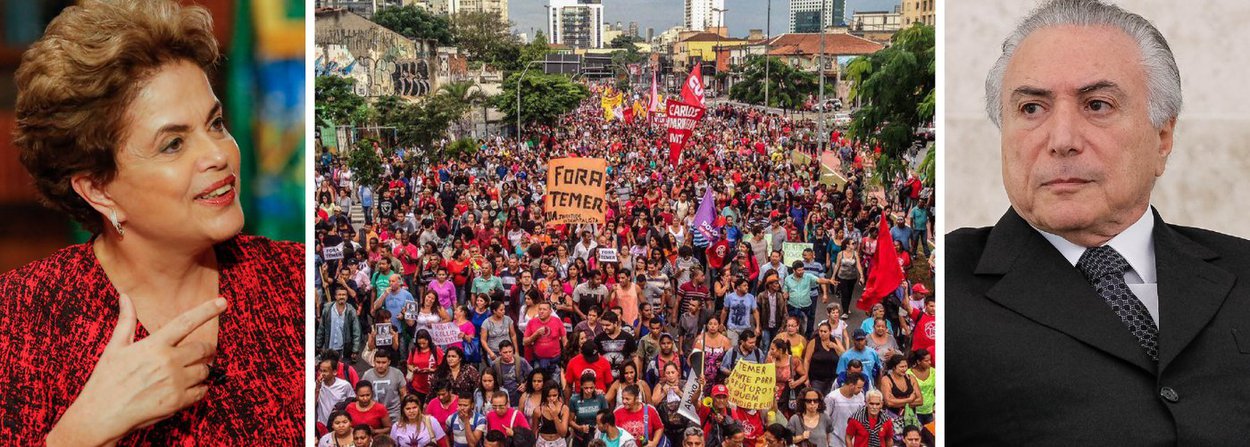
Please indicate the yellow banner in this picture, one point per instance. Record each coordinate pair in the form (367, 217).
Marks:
(575, 191)
(610, 103)
(753, 385)
(640, 110)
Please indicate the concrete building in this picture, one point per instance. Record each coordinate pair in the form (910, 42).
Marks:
(381, 61)
(610, 33)
(864, 21)
(806, 17)
(802, 52)
(492, 6)
(919, 11)
(703, 14)
(633, 29)
(447, 7)
(576, 23)
(650, 34)
(363, 8)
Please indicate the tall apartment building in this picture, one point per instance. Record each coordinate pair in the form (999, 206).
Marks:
(805, 15)
(919, 11)
(633, 29)
(447, 7)
(575, 23)
(495, 6)
(704, 14)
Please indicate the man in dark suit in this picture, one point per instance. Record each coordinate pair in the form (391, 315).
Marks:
(1082, 317)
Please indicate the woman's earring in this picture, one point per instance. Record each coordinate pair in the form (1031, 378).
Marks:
(116, 225)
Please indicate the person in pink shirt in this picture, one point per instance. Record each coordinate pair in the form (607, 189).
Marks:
(445, 288)
(503, 417)
(443, 405)
(545, 336)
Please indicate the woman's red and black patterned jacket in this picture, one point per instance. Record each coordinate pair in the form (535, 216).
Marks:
(57, 314)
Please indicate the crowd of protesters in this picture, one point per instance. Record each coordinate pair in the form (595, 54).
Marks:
(579, 335)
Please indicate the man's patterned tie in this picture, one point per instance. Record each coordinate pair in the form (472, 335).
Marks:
(1104, 268)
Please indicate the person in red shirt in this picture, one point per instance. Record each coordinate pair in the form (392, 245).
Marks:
(716, 417)
(752, 422)
(588, 360)
(545, 336)
(423, 360)
(869, 422)
(367, 412)
(444, 404)
(639, 419)
(503, 417)
(408, 255)
(926, 324)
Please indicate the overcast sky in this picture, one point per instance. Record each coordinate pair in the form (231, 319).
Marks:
(742, 16)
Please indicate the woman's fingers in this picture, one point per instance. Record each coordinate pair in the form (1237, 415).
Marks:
(198, 372)
(183, 325)
(124, 332)
(192, 352)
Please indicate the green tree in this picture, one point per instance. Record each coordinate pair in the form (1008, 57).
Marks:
(896, 87)
(543, 97)
(415, 23)
(623, 41)
(457, 150)
(426, 122)
(787, 87)
(465, 94)
(337, 102)
(365, 163)
(536, 50)
(486, 37)
(928, 165)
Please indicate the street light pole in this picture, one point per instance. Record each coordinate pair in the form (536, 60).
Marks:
(518, 100)
(716, 50)
(768, 36)
(820, 70)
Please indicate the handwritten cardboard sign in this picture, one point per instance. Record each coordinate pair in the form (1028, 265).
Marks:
(576, 188)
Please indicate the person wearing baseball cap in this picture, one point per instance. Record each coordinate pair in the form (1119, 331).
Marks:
(859, 351)
(716, 418)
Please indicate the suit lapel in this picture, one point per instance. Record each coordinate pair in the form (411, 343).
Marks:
(1039, 284)
(1191, 289)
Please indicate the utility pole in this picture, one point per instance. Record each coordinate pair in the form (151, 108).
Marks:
(768, 36)
(820, 70)
(518, 100)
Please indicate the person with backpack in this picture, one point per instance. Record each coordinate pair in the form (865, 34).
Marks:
(746, 351)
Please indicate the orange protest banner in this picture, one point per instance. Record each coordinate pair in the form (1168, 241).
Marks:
(575, 191)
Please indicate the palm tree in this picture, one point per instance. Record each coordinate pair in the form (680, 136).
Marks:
(468, 95)
(790, 87)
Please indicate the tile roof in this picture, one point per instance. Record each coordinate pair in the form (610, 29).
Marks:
(809, 43)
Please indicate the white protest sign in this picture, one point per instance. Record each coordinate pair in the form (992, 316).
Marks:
(383, 335)
(333, 253)
(445, 334)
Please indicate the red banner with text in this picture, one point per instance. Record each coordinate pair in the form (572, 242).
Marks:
(682, 118)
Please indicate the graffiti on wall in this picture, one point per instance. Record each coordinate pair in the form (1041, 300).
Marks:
(381, 62)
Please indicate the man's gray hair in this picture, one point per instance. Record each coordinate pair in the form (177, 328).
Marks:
(1163, 78)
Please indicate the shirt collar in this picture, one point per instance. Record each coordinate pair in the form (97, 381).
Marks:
(1135, 244)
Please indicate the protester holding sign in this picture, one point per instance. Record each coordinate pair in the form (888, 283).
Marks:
(632, 254)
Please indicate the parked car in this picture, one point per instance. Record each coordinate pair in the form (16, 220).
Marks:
(842, 119)
(926, 132)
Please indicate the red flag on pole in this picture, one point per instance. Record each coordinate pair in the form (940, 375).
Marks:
(629, 115)
(886, 273)
(692, 90)
(682, 118)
